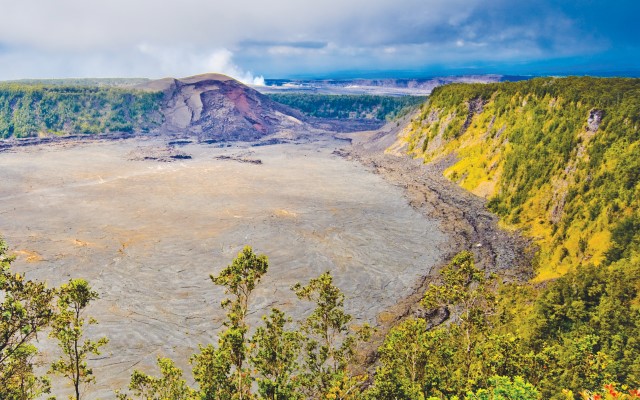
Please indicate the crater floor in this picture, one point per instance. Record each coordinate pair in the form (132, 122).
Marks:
(147, 234)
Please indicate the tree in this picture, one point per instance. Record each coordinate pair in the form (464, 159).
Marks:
(239, 279)
(608, 392)
(73, 298)
(275, 357)
(25, 309)
(404, 356)
(447, 360)
(504, 388)
(466, 293)
(329, 347)
(212, 371)
(587, 324)
(169, 386)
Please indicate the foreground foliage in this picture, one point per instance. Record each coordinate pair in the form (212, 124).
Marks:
(310, 363)
(25, 309)
(68, 329)
(170, 385)
(329, 346)
(579, 333)
(572, 338)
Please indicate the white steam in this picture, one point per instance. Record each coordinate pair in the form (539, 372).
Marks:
(181, 62)
(221, 61)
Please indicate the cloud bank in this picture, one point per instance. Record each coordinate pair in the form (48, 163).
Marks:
(279, 38)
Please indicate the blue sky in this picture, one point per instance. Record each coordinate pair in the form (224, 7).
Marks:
(250, 39)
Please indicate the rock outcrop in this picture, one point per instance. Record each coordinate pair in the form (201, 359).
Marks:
(217, 107)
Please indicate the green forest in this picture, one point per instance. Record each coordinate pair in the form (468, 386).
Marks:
(31, 110)
(349, 106)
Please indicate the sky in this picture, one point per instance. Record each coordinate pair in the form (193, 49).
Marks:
(256, 39)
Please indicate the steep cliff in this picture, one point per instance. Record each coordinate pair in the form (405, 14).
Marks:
(557, 158)
(31, 110)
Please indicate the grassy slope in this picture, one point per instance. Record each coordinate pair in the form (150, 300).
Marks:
(532, 148)
(36, 110)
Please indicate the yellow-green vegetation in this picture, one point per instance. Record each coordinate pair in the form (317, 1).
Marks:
(35, 110)
(558, 158)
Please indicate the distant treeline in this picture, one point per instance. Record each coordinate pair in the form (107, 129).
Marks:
(32, 110)
(92, 82)
(349, 106)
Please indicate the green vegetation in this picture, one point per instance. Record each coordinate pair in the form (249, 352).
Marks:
(349, 106)
(329, 346)
(579, 334)
(33, 110)
(310, 363)
(558, 158)
(67, 329)
(170, 386)
(275, 357)
(239, 279)
(25, 309)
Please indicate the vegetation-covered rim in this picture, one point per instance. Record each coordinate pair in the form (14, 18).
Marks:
(557, 157)
(349, 106)
(32, 110)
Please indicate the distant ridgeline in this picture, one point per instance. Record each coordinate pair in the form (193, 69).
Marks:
(35, 110)
(348, 106)
(556, 157)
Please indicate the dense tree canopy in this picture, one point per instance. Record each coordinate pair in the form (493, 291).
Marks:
(32, 110)
(349, 106)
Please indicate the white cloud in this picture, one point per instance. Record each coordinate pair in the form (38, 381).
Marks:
(150, 38)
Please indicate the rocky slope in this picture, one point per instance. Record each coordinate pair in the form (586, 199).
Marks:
(217, 107)
(462, 216)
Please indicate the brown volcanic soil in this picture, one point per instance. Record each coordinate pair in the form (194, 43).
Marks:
(147, 234)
